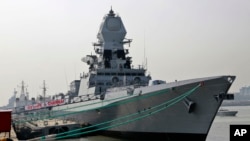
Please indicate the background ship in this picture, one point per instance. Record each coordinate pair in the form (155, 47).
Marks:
(116, 98)
(226, 112)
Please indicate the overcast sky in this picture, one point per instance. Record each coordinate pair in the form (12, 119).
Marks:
(183, 39)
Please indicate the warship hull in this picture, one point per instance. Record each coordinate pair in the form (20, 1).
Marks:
(116, 98)
(145, 115)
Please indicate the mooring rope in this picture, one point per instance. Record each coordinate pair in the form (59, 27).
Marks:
(147, 112)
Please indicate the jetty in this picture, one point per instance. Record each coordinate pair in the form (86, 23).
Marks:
(33, 130)
(7, 132)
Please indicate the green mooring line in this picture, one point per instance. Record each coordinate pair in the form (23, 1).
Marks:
(147, 112)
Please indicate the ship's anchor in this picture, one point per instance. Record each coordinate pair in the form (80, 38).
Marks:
(189, 104)
(220, 96)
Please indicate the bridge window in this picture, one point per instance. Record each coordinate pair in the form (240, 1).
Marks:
(140, 74)
(120, 74)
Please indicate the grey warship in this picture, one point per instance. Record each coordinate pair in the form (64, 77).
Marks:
(117, 99)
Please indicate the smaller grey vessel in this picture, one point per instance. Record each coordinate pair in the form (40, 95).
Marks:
(226, 112)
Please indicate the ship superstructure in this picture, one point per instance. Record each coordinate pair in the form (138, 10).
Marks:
(22, 99)
(112, 67)
(22, 102)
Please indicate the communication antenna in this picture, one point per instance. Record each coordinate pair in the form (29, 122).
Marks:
(75, 71)
(23, 86)
(144, 57)
(44, 92)
(66, 79)
(15, 92)
(144, 46)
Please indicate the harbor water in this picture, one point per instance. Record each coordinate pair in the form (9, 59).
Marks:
(219, 130)
(220, 127)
